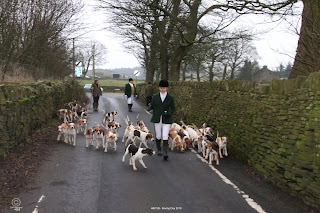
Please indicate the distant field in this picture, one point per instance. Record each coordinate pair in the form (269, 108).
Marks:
(111, 82)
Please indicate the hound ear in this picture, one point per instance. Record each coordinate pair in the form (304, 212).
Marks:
(149, 136)
(136, 133)
(149, 151)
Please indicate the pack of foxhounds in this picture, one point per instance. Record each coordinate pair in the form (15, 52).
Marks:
(106, 134)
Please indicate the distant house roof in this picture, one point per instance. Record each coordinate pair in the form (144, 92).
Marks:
(264, 75)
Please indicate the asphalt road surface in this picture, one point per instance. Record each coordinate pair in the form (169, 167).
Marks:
(79, 179)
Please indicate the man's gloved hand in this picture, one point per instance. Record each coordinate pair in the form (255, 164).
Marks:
(166, 114)
(150, 108)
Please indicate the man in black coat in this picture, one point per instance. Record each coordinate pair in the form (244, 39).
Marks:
(149, 93)
(130, 92)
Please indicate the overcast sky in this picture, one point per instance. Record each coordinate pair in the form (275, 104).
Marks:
(277, 45)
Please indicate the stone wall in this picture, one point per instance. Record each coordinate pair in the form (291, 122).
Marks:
(27, 107)
(273, 126)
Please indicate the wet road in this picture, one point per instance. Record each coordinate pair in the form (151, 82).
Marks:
(79, 179)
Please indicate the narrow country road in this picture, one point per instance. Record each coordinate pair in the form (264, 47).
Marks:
(79, 179)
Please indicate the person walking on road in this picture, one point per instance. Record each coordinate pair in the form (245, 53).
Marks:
(130, 93)
(96, 93)
(162, 105)
(149, 93)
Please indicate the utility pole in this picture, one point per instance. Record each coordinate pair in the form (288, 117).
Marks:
(73, 60)
(93, 70)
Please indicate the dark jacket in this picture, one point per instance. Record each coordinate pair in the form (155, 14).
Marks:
(149, 91)
(127, 90)
(96, 90)
(164, 109)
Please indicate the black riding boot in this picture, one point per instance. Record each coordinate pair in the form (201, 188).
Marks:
(130, 107)
(165, 149)
(158, 143)
(95, 106)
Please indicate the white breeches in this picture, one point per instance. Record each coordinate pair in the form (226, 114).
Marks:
(162, 130)
(130, 100)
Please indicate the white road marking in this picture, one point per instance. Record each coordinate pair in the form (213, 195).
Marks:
(39, 201)
(249, 200)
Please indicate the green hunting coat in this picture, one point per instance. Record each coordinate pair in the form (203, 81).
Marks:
(160, 107)
(96, 90)
(128, 92)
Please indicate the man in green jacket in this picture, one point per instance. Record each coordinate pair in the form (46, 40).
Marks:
(96, 93)
(162, 104)
(130, 92)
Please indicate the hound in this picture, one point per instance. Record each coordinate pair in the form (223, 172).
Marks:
(143, 137)
(137, 153)
(99, 136)
(62, 113)
(89, 137)
(111, 138)
(175, 140)
(72, 133)
(82, 125)
(63, 130)
(114, 127)
(110, 116)
(212, 152)
(222, 142)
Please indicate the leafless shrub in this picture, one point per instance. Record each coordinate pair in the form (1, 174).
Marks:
(17, 73)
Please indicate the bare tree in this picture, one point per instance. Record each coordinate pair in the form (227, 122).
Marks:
(188, 25)
(181, 20)
(238, 51)
(167, 27)
(306, 59)
(89, 51)
(212, 52)
(148, 31)
(32, 34)
(197, 60)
